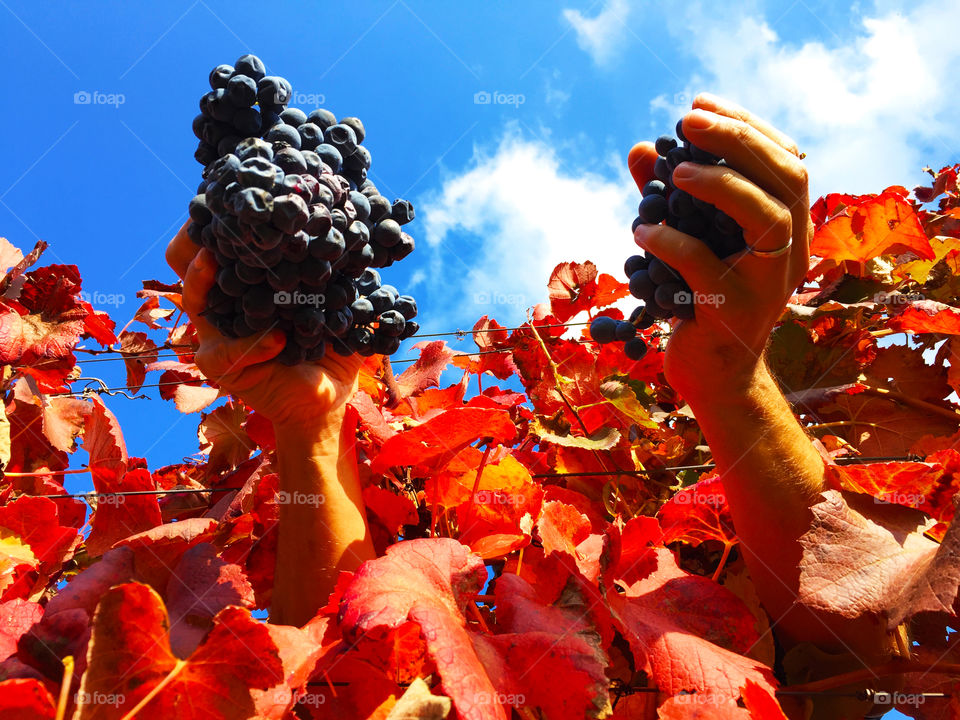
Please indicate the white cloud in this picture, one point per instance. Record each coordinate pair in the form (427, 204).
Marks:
(601, 36)
(494, 232)
(869, 110)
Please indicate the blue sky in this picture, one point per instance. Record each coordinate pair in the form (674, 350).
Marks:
(504, 189)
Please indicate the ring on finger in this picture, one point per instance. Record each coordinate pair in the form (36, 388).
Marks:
(770, 253)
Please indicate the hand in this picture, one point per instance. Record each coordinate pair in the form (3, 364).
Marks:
(244, 367)
(764, 188)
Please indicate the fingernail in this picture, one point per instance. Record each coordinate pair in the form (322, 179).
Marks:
(642, 235)
(698, 120)
(685, 170)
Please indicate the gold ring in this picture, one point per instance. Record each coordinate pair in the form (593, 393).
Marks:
(770, 253)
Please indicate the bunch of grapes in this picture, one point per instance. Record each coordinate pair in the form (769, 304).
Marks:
(296, 226)
(665, 294)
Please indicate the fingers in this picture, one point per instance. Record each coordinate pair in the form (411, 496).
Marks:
(228, 357)
(641, 159)
(689, 256)
(751, 153)
(767, 223)
(181, 251)
(721, 106)
(198, 278)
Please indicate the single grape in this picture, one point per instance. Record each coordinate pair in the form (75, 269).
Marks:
(603, 329)
(635, 349)
(653, 209)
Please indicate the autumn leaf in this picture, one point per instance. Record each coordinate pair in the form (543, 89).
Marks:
(223, 438)
(575, 287)
(927, 316)
(688, 632)
(698, 513)
(17, 616)
(157, 550)
(418, 703)
(869, 226)
(426, 371)
(138, 351)
(761, 703)
(861, 556)
(26, 699)
(434, 442)
(552, 655)
(701, 706)
(35, 522)
(428, 582)
(119, 516)
(200, 586)
(130, 660)
(103, 440)
(391, 510)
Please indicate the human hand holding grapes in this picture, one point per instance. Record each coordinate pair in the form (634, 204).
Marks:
(304, 394)
(763, 187)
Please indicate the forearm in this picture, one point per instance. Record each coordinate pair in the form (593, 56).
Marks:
(772, 475)
(323, 527)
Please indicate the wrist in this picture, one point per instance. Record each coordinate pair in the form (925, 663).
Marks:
(317, 427)
(729, 376)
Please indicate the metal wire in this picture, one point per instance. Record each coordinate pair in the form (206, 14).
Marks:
(671, 468)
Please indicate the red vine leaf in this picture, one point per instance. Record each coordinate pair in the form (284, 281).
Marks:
(130, 656)
(17, 616)
(698, 513)
(428, 582)
(436, 441)
(26, 699)
(868, 226)
(861, 556)
(688, 632)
